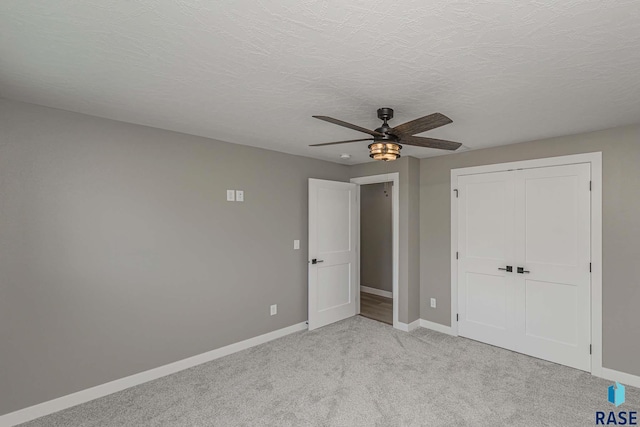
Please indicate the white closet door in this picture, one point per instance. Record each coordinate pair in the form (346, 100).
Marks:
(536, 221)
(486, 303)
(553, 206)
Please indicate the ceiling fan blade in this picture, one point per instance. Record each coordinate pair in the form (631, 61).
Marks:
(429, 142)
(348, 125)
(340, 142)
(422, 124)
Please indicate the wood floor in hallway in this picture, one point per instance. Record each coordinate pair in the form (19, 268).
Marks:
(376, 307)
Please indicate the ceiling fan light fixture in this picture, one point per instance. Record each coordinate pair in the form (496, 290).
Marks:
(385, 151)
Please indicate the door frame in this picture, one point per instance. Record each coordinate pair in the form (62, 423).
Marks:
(595, 160)
(395, 231)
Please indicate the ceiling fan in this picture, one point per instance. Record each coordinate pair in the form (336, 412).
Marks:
(387, 141)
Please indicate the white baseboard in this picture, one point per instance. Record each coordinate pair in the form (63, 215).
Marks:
(408, 327)
(375, 291)
(437, 327)
(64, 402)
(621, 377)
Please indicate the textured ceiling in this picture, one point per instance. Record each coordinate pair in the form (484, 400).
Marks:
(253, 72)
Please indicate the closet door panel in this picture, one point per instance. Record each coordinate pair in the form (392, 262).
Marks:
(486, 301)
(553, 249)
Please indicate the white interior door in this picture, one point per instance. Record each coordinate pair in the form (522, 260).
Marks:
(535, 222)
(486, 293)
(554, 252)
(333, 290)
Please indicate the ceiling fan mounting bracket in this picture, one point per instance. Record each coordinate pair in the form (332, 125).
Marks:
(385, 113)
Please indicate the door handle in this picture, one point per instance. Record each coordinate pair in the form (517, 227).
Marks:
(522, 270)
(508, 269)
(316, 261)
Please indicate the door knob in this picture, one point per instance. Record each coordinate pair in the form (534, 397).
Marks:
(522, 270)
(316, 261)
(508, 269)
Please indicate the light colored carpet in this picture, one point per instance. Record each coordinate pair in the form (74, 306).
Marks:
(359, 372)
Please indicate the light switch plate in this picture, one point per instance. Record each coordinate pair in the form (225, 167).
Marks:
(274, 309)
(231, 196)
(296, 244)
(239, 196)
(433, 303)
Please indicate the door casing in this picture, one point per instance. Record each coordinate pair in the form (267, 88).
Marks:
(595, 161)
(395, 220)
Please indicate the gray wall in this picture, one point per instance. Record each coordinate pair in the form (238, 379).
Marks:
(376, 263)
(119, 252)
(621, 230)
(409, 236)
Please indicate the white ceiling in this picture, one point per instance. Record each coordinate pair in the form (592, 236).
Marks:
(253, 72)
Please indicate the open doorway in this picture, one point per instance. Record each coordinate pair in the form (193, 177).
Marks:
(376, 252)
(378, 215)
